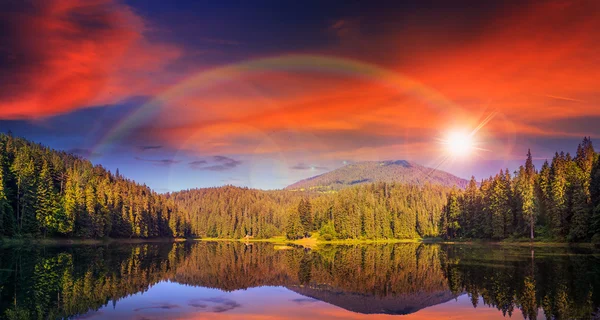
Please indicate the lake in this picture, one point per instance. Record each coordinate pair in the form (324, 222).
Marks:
(233, 280)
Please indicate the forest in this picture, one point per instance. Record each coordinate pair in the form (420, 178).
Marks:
(558, 202)
(373, 211)
(48, 193)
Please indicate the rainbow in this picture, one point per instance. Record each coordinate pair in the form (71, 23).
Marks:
(285, 63)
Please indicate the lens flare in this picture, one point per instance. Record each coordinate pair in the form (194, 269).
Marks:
(459, 143)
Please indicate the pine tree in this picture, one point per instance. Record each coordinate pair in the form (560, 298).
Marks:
(294, 229)
(73, 203)
(45, 205)
(542, 189)
(595, 197)
(525, 194)
(452, 214)
(472, 210)
(305, 214)
(579, 226)
(6, 214)
(24, 170)
(557, 209)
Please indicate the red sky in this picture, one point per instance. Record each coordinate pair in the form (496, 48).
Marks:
(535, 65)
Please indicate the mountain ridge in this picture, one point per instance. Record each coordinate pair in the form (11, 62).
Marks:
(402, 171)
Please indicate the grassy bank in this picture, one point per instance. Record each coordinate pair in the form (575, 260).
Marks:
(315, 241)
(310, 242)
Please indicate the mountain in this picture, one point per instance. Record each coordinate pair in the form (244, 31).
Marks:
(371, 304)
(377, 171)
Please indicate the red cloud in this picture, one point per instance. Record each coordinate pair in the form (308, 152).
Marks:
(532, 64)
(58, 55)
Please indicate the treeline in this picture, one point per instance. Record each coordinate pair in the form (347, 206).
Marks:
(374, 211)
(44, 192)
(560, 202)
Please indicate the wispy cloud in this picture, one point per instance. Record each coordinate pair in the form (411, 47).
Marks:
(159, 162)
(163, 306)
(197, 163)
(146, 148)
(564, 98)
(218, 304)
(303, 166)
(217, 163)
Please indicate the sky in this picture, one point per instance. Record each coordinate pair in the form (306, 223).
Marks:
(188, 94)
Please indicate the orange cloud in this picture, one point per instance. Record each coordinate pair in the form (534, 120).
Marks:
(59, 55)
(532, 64)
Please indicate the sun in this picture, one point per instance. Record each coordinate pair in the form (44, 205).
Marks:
(459, 143)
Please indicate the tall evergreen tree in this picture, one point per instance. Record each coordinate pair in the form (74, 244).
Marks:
(23, 169)
(558, 204)
(6, 214)
(45, 211)
(452, 212)
(595, 197)
(305, 214)
(294, 229)
(525, 194)
(472, 209)
(542, 185)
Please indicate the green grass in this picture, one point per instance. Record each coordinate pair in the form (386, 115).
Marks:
(314, 240)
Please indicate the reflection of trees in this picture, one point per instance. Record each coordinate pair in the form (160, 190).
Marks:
(375, 269)
(560, 283)
(50, 282)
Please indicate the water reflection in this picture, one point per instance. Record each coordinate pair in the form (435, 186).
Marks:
(205, 279)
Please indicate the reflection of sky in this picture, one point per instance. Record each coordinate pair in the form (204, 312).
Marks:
(169, 300)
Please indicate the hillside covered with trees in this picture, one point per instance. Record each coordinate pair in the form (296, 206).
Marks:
(561, 201)
(46, 193)
(372, 211)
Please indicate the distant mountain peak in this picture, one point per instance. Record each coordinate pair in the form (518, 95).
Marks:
(402, 171)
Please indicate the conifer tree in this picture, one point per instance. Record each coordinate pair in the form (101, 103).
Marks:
(525, 194)
(471, 209)
(305, 214)
(6, 214)
(452, 213)
(542, 185)
(558, 195)
(595, 197)
(45, 204)
(24, 170)
(294, 229)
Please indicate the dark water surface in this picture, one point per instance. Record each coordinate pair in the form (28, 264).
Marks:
(231, 280)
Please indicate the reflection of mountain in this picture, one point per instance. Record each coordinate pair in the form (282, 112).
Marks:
(370, 304)
(59, 282)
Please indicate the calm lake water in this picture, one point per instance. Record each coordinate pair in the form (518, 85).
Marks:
(211, 280)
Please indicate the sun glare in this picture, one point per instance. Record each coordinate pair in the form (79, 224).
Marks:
(459, 143)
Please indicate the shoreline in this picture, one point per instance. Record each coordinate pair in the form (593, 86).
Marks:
(281, 240)
(65, 241)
